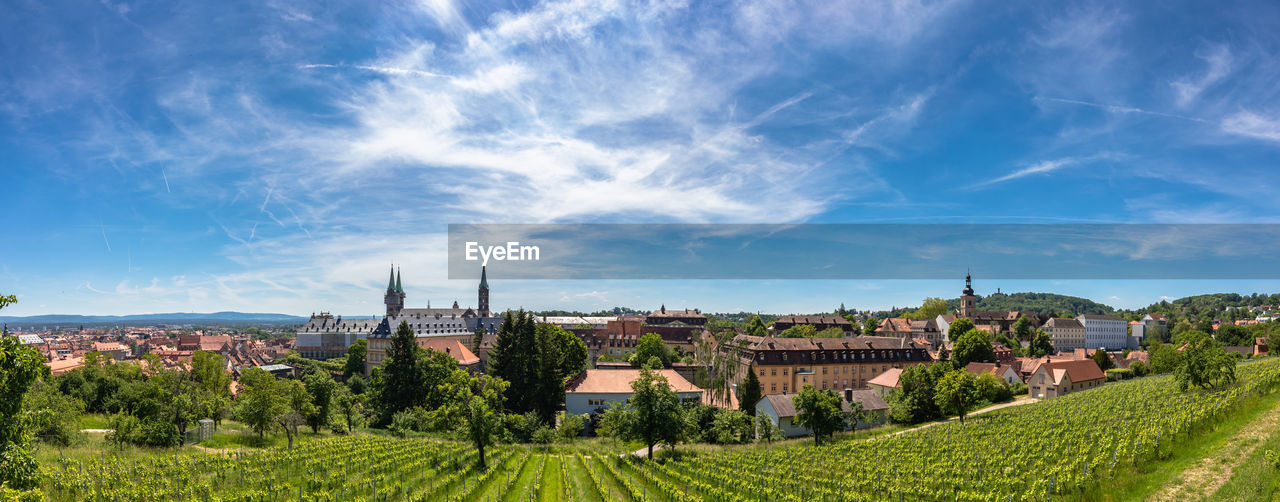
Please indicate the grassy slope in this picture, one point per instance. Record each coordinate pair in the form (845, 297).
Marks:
(1142, 481)
(1255, 478)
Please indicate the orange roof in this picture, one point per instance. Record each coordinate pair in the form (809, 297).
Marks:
(452, 347)
(1077, 371)
(887, 379)
(619, 381)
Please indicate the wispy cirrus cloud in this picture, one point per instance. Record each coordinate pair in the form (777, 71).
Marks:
(1218, 60)
(1048, 166)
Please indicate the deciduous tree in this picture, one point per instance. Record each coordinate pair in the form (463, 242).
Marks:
(973, 346)
(653, 412)
(819, 411)
(956, 392)
(1204, 364)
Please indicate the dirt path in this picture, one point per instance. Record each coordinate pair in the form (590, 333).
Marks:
(1019, 401)
(1208, 474)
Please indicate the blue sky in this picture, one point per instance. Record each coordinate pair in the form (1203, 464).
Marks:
(277, 156)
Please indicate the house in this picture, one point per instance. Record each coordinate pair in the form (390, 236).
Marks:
(1260, 346)
(781, 410)
(1065, 334)
(467, 360)
(884, 383)
(279, 370)
(1006, 372)
(1064, 377)
(895, 326)
(593, 390)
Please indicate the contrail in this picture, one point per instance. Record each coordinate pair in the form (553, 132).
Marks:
(104, 236)
(166, 181)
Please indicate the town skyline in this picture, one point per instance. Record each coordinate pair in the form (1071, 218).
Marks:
(280, 168)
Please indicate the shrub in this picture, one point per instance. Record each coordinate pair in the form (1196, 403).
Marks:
(1274, 458)
(571, 425)
(732, 427)
(543, 435)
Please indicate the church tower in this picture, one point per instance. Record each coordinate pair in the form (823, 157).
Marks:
(483, 303)
(968, 301)
(395, 294)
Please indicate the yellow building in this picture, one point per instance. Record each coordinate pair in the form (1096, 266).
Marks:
(786, 365)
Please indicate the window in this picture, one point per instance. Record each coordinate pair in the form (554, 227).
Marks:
(784, 371)
(824, 370)
(761, 371)
(784, 387)
(775, 372)
(773, 388)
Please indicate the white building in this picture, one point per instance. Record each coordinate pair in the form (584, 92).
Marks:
(594, 390)
(1104, 331)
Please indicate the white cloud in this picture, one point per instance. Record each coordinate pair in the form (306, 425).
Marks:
(1218, 58)
(1247, 123)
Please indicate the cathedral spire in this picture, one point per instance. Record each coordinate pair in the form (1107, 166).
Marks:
(391, 283)
(484, 279)
(399, 289)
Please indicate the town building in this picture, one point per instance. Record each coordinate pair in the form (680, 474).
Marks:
(1006, 372)
(1104, 331)
(884, 383)
(785, 365)
(326, 336)
(430, 327)
(781, 410)
(594, 389)
(995, 321)
(678, 328)
(1065, 334)
(819, 322)
(1058, 378)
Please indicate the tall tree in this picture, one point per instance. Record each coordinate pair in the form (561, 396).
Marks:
(749, 393)
(956, 391)
(819, 411)
(872, 324)
(653, 415)
(210, 371)
(298, 406)
(755, 326)
(321, 387)
(20, 367)
(356, 355)
(535, 359)
(1022, 329)
(477, 400)
(973, 346)
(259, 402)
(399, 384)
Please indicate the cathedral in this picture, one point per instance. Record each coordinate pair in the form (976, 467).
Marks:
(325, 336)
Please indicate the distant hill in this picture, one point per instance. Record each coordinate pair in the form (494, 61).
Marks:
(169, 318)
(1044, 303)
(1215, 305)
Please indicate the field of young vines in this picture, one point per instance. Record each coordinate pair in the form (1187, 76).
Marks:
(1031, 452)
